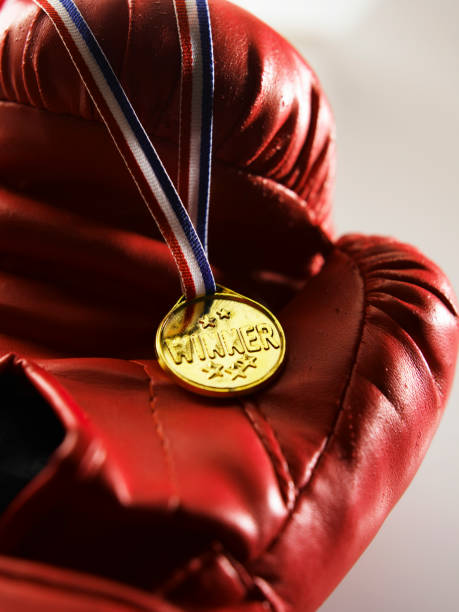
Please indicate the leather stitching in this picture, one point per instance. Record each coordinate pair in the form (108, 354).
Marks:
(334, 427)
(174, 498)
(277, 458)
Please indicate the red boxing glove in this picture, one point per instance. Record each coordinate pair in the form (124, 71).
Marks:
(157, 499)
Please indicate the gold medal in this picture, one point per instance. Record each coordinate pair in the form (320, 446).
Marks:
(223, 345)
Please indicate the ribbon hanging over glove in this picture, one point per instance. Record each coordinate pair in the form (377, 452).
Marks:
(132, 141)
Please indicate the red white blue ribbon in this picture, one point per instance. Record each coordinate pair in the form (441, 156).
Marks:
(196, 110)
(132, 141)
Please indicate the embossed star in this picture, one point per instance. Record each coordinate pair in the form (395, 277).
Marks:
(223, 314)
(236, 370)
(249, 362)
(207, 321)
(214, 370)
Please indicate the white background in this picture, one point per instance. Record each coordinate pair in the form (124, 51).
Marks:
(391, 71)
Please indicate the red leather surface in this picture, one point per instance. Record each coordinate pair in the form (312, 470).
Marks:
(158, 499)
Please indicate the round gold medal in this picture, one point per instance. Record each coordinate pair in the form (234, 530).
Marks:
(223, 345)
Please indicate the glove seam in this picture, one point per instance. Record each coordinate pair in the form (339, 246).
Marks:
(277, 457)
(174, 497)
(327, 441)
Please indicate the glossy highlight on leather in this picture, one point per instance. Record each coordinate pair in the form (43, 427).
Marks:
(158, 499)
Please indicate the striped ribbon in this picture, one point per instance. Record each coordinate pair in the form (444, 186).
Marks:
(196, 110)
(133, 143)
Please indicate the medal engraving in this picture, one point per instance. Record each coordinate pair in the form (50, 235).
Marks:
(224, 344)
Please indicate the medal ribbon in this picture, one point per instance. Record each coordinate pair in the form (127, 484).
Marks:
(141, 158)
(196, 110)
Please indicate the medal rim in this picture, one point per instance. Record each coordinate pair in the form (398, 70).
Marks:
(222, 392)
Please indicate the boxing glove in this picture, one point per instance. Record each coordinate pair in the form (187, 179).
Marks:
(154, 498)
